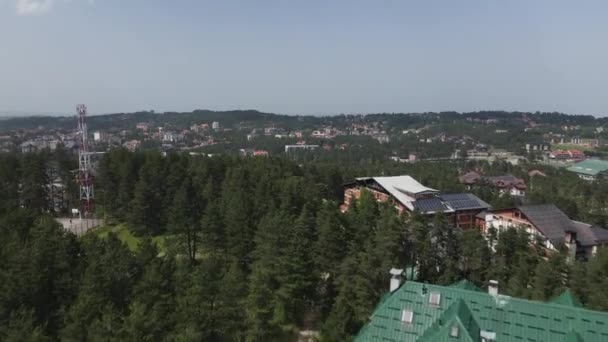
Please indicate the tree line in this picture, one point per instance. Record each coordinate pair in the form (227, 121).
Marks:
(259, 252)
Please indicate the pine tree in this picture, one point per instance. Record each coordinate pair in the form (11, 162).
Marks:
(549, 276)
(296, 275)
(184, 220)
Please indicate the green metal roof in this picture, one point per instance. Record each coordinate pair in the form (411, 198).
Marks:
(590, 167)
(475, 313)
(566, 298)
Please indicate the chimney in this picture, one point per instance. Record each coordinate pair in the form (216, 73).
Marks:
(493, 287)
(395, 278)
(570, 242)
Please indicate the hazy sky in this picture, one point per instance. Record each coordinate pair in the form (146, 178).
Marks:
(304, 56)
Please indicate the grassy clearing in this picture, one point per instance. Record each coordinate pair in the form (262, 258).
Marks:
(126, 237)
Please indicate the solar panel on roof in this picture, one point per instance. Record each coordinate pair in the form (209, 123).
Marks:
(454, 197)
(430, 204)
(469, 203)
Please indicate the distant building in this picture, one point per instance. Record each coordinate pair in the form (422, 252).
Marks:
(97, 136)
(215, 126)
(132, 145)
(590, 169)
(418, 312)
(408, 196)
(300, 147)
(260, 153)
(382, 138)
(538, 147)
(550, 227)
(143, 126)
(535, 173)
(589, 143)
(507, 184)
(567, 155)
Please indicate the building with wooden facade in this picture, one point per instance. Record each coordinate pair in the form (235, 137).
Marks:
(408, 196)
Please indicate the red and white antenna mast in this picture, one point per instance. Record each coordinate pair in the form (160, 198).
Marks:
(85, 174)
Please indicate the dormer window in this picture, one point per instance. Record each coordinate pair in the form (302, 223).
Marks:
(487, 336)
(454, 331)
(407, 316)
(435, 298)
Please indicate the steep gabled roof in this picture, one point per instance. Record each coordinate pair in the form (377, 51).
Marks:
(456, 316)
(402, 188)
(509, 318)
(549, 220)
(589, 235)
(566, 298)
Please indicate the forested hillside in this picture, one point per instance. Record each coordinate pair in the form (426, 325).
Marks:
(256, 250)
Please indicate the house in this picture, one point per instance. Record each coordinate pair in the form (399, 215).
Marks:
(537, 147)
(550, 227)
(590, 143)
(589, 169)
(408, 195)
(382, 138)
(421, 312)
(132, 145)
(507, 184)
(143, 126)
(291, 148)
(535, 173)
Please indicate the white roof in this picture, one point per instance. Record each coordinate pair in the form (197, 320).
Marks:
(402, 188)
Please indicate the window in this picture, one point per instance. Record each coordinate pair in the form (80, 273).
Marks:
(454, 331)
(435, 298)
(407, 316)
(487, 336)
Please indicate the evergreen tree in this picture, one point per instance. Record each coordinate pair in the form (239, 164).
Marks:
(184, 220)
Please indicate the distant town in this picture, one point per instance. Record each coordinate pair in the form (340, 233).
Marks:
(577, 143)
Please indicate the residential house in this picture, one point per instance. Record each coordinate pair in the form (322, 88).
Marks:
(507, 184)
(143, 126)
(300, 147)
(132, 145)
(550, 227)
(407, 195)
(589, 143)
(535, 173)
(538, 147)
(216, 126)
(590, 169)
(418, 312)
(382, 138)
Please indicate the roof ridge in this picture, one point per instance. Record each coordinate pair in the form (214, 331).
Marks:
(525, 300)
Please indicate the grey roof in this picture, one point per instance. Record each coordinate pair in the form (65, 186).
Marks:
(429, 205)
(482, 214)
(450, 203)
(551, 221)
(589, 235)
(464, 201)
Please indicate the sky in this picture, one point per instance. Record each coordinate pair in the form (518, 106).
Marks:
(304, 56)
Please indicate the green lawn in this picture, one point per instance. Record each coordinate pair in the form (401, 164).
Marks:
(124, 235)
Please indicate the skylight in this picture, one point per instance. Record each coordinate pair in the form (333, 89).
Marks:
(435, 298)
(454, 331)
(407, 316)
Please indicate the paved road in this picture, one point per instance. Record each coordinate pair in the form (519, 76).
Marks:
(78, 226)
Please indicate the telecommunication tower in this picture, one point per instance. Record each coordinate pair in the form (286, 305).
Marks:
(85, 174)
